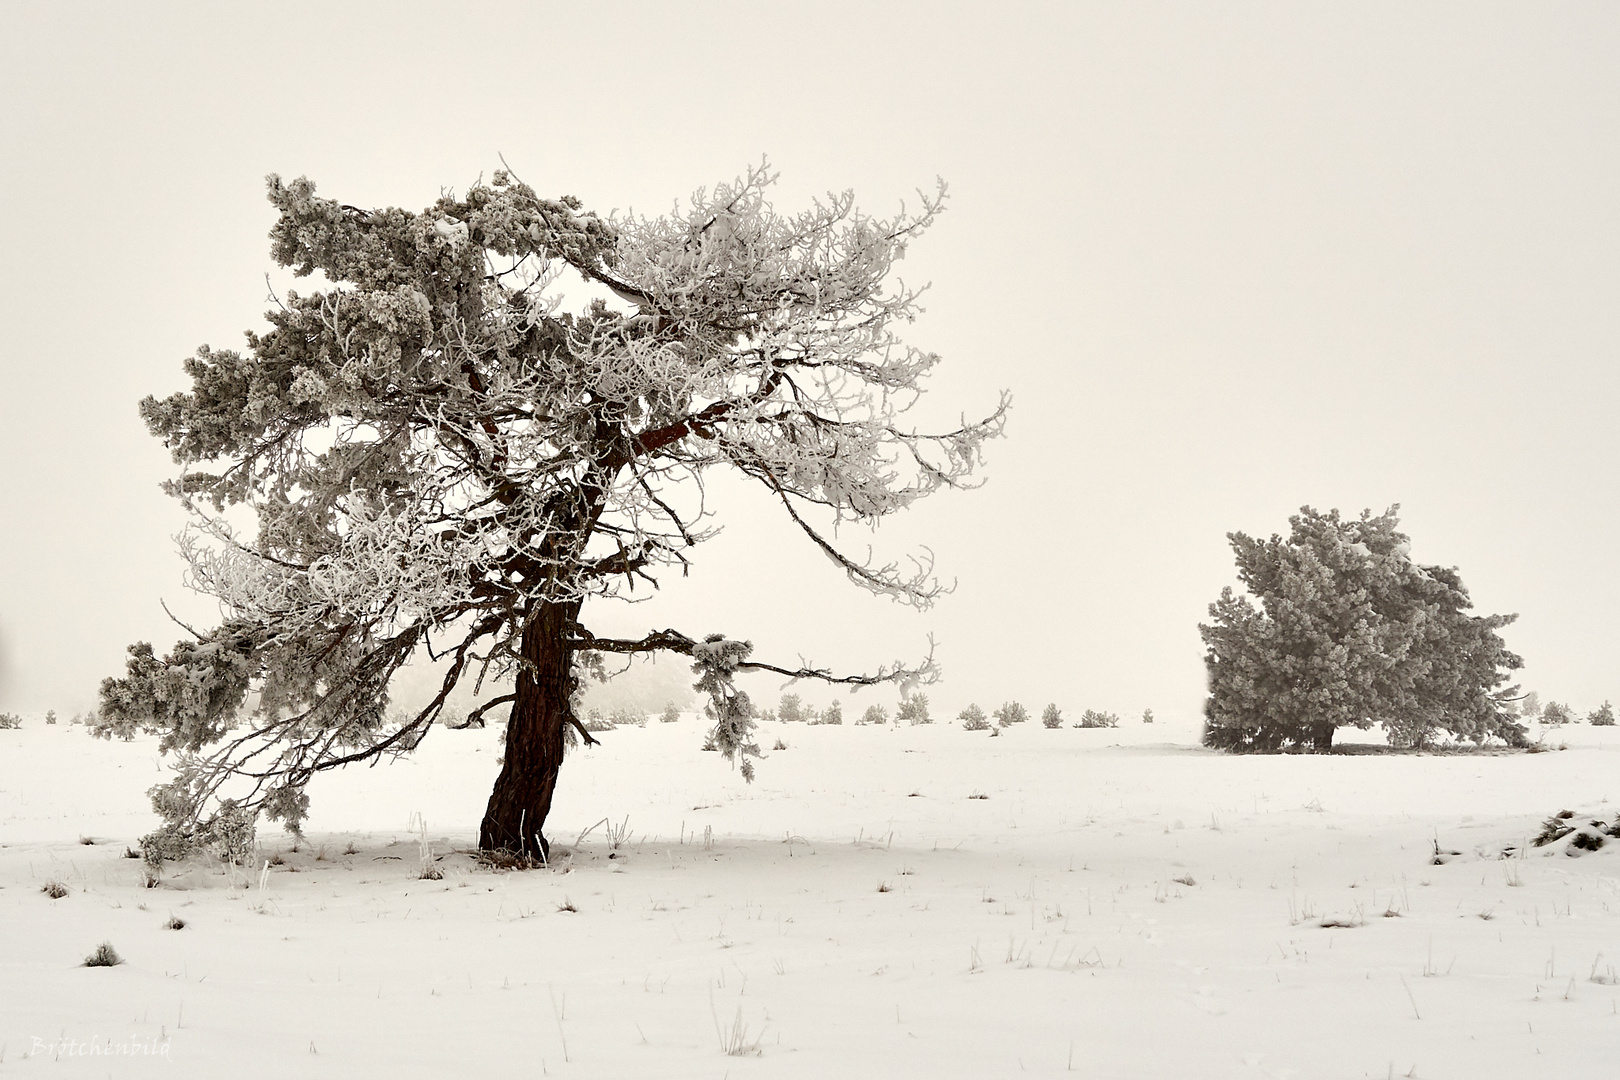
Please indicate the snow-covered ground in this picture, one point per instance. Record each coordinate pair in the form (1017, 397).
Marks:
(918, 902)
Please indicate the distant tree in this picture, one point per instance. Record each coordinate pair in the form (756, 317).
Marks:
(1147, 716)
(671, 713)
(440, 458)
(1091, 718)
(974, 719)
(914, 710)
(1011, 713)
(833, 713)
(790, 710)
(1557, 715)
(1530, 706)
(1051, 717)
(875, 714)
(1601, 717)
(1340, 628)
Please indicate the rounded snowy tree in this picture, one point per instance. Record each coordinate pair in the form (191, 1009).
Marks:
(1340, 628)
(974, 719)
(490, 416)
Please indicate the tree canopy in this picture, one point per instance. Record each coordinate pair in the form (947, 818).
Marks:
(443, 455)
(1340, 628)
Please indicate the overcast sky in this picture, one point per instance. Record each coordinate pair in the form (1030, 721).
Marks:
(1229, 259)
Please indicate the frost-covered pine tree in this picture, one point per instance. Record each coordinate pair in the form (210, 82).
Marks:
(875, 714)
(441, 459)
(790, 710)
(1052, 716)
(1011, 713)
(974, 719)
(913, 710)
(1340, 628)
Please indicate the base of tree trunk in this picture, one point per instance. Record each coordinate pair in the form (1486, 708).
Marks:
(521, 798)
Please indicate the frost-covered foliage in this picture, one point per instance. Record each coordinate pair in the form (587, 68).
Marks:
(1529, 706)
(442, 459)
(1603, 716)
(671, 713)
(1011, 713)
(1557, 714)
(974, 719)
(832, 714)
(1093, 718)
(790, 710)
(10, 721)
(1051, 716)
(1340, 628)
(1147, 716)
(913, 710)
(875, 714)
(716, 661)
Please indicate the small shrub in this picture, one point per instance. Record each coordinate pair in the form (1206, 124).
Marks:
(875, 714)
(973, 719)
(595, 721)
(1554, 714)
(780, 745)
(1011, 713)
(1602, 717)
(131, 853)
(914, 710)
(624, 717)
(104, 956)
(54, 889)
(670, 714)
(832, 714)
(790, 710)
(9, 721)
(430, 872)
(1147, 716)
(50, 716)
(1094, 719)
(1052, 716)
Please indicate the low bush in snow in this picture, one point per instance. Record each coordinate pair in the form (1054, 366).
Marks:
(973, 719)
(1011, 713)
(1554, 714)
(874, 714)
(1051, 716)
(1094, 719)
(914, 710)
(1601, 717)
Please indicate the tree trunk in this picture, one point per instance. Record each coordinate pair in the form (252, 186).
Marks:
(1323, 741)
(534, 738)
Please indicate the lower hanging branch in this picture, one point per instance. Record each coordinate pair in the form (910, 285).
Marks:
(717, 660)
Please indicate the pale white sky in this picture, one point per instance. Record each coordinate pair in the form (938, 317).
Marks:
(1229, 259)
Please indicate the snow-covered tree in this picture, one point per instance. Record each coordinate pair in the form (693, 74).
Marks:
(443, 460)
(1603, 716)
(1340, 628)
(974, 719)
(913, 710)
(790, 710)
(832, 714)
(1011, 713)
(1557, 714)
(1052, 716)
(875, 714)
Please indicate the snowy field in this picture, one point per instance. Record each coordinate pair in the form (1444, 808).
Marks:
(916, 902)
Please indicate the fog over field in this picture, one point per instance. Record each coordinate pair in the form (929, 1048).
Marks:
(1228, 261)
